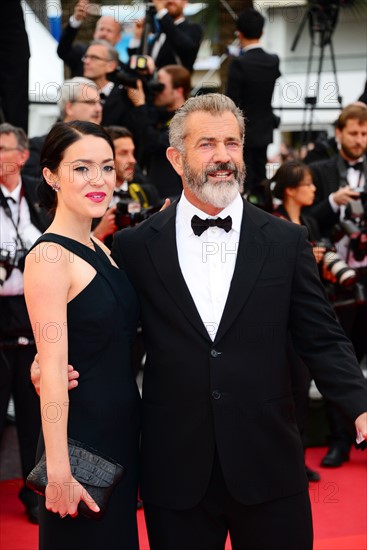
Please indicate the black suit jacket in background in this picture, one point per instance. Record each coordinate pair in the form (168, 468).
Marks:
(181, 45)
(251, 81)
(117, 111)
(152, 126)
(233, 394)
(40, 218)
(71, 53)
(328, 176)
(32, 167)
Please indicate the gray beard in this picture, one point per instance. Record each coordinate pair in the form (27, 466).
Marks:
(220, 194)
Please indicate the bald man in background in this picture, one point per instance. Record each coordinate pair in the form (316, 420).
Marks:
(107, 28)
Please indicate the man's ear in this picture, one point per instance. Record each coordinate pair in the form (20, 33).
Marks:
(175, 158)
(24, 156)
(67, 108)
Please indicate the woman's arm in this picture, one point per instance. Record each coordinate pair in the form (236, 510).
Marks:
(47, 282)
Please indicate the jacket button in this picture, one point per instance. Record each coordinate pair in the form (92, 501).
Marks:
(214, 353)
(216, 395)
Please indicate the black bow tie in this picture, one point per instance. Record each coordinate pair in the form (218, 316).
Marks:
(199, 226)
(357, 166)
(10, 199)
(120, 193)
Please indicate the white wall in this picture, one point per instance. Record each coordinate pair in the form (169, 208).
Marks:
(46, 74)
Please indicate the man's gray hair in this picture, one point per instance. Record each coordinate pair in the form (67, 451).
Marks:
(112, 54)
(20, 135)
(71, 91)
(214, 104)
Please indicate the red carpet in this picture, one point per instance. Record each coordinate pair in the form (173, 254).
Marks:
(339, 503)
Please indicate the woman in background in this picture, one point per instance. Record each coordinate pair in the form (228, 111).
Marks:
(295, 189)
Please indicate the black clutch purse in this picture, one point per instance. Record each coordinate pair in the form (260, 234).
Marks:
(97, 473)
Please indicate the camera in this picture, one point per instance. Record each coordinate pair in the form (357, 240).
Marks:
(344, 275)
(354, 226)
(138, 69)
(129, 213)
(9, 262)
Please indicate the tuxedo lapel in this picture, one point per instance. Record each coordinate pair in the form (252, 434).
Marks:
(162, 248)
(252, 252)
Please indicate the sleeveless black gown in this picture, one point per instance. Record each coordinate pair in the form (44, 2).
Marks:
(104, 410)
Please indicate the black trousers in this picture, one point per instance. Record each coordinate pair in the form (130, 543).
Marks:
(15, 379)
(284, 524)
(255, 160)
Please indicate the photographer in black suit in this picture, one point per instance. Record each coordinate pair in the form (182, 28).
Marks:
(177, 42)
(251, 81)
(107, 28)
(152, 124)
(99, 60)
(21, 223)
(339, 181)
(130, 185)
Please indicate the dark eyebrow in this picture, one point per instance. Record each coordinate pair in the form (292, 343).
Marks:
(88, 161)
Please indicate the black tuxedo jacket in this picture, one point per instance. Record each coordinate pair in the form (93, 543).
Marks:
(153, 125)
(235, 393)
(32, 167)
(328, 176)
(40, 218)
(181, 45)
(71, 53)
(251, 80)
(117, 109)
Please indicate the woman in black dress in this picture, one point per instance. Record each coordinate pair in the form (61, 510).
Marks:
(84, 312)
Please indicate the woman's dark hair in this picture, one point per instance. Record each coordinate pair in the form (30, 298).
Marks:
(59, 138)
(289, 174)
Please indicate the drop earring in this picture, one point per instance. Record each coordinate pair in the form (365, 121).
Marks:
(55, 186)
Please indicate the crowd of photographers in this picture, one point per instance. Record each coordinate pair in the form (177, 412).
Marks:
(135, 102)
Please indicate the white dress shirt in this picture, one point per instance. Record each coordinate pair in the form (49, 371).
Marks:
(208, 261)
(13, 286)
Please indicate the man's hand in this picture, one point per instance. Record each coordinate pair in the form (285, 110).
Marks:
(166, 204)
(136, 95)
(319, 253)
(73, 375)
(138, 28)
(344, 195)
(107, 225)
(361, 427)
(159, 4)
(81, 10)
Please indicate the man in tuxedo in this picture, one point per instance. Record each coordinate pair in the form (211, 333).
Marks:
(177, 42)
(107, 28)
(250, 83)
(78, 100)
(220, 447)
(339, 181)
(21, 223)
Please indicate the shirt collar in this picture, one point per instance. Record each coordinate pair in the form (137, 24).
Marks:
(251, 47)
(15, 194)
(186, 210)
(107, 89)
